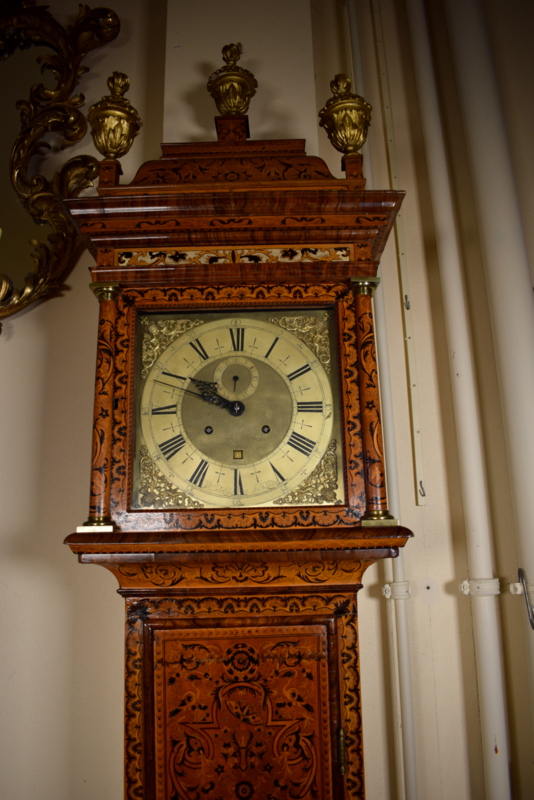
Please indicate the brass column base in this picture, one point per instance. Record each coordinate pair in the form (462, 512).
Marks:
(378, 518)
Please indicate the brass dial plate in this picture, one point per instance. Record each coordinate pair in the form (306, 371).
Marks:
(237, 412)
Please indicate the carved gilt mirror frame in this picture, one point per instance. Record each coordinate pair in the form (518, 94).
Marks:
(54, 110)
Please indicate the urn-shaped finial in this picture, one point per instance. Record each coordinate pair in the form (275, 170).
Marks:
(231, 86)
(114, 121)
(345, 117)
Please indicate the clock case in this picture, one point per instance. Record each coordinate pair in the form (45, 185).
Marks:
(266, 598)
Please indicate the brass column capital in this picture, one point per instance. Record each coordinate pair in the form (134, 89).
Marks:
(365, 285)
(105, 290)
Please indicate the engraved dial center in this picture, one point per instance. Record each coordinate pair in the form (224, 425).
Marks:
(270, 405)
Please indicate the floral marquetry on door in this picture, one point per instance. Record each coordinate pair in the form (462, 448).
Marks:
(243, 712)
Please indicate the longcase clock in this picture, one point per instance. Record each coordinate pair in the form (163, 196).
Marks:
(238, 489)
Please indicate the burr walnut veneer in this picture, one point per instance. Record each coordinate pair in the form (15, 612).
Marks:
(242, 676)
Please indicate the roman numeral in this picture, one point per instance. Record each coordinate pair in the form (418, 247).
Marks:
(238, 485)
(199, 474)
(172, 375)
(270, 350)
(298, 372)
(278, 474)
(172, 446)
(199, 349)
(315, 407)
(165, 409)
(301, 443)
(238, 338)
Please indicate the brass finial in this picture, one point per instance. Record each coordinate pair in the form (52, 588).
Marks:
(232, 87)
(114, 121)
(345, 117)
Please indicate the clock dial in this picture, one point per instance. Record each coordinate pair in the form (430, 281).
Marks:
(237, 412)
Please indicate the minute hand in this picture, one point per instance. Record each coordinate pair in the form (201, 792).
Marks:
(207, 393)
(180, 389)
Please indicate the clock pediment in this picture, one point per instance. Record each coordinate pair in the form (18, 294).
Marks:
(249, 193)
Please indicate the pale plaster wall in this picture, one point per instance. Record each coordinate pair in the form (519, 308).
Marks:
(62, 657)
(279, 55)
(442, 655)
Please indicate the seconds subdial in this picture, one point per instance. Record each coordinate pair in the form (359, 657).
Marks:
(237, 378)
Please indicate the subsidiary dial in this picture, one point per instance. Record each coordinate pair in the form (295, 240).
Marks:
(237, 378)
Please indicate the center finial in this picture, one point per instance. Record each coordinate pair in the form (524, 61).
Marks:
(232, 87)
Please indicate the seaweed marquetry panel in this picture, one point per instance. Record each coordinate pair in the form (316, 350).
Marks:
(242, 712)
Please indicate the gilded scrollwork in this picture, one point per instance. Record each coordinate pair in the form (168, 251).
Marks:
(320, 486)
(158, 335)
(50, 110)
(156, 491)
(313, 331)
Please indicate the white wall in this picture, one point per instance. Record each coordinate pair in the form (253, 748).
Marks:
(61, 660)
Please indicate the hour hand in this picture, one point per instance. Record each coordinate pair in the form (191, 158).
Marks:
(208, 392)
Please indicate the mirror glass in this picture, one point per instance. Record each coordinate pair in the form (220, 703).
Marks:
(19, 73)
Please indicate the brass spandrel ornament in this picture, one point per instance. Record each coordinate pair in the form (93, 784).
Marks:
(232, 87)
(114, 121)
(314, 333)
(159, 335)
(321, 486)
(345, 117)
(156, 491)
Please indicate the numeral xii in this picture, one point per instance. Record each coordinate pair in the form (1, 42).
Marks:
(238, 338)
